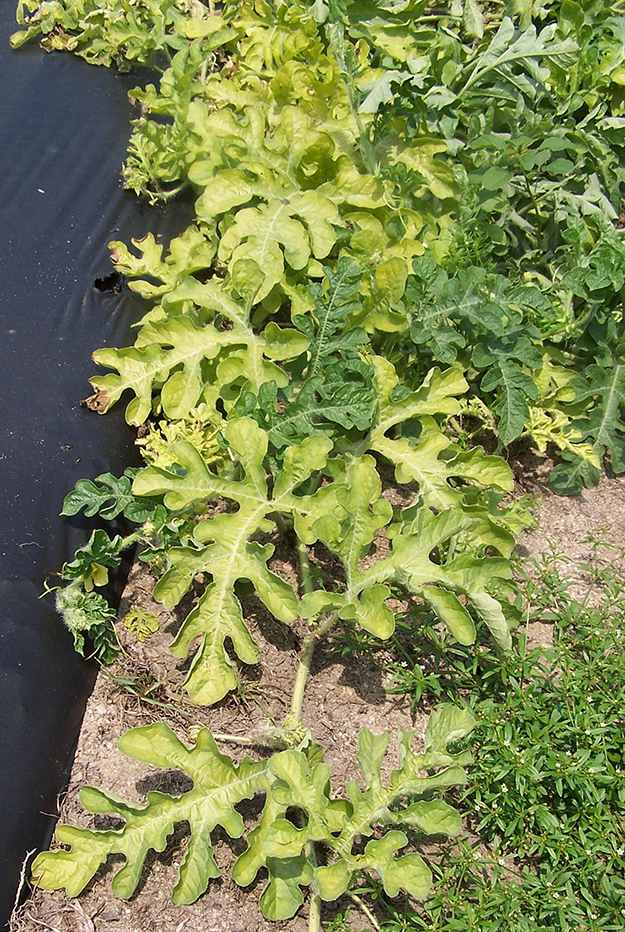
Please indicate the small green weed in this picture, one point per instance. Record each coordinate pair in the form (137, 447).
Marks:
(546, 796)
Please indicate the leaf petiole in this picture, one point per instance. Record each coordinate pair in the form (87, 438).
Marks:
(305, 663)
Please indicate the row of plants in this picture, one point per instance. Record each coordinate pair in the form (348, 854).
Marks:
(405, 236)
(468, 162)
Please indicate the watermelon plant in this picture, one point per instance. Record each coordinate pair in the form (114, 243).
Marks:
(293, 778)
(405, 233)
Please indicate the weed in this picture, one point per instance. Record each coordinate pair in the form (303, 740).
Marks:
(546, 796)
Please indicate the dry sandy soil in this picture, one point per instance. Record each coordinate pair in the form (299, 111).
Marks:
(342, 697)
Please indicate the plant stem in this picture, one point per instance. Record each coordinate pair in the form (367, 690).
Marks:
(305, 572)
(314, 914)
(323, 627)
(365, 909)
(305, 663)
(303, 670)
(234, 739)
(532, 197)
(310, 643)
(130, 539)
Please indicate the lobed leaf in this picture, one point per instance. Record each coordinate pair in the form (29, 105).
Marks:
(306, 786)
(170, 356)
(358, 514)
(218, 785)
(224, 549)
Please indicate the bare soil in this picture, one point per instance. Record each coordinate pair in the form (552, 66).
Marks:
(342, 697)
(568, 532)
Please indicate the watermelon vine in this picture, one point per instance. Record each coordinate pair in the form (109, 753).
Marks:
(387, 257)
